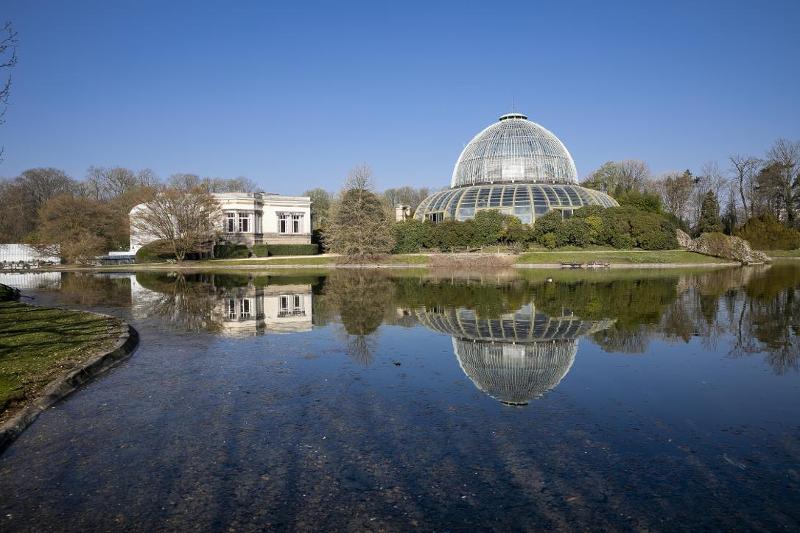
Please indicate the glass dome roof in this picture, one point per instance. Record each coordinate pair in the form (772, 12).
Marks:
(514, 149)
(525, 201)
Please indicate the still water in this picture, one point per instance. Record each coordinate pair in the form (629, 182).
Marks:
(622, 400)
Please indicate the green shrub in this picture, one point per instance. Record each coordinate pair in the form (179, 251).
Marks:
(231, 251)
(154, 252)
(573, 231)
(767, 233)
(292, 249)
(410, 236)
(260, 250)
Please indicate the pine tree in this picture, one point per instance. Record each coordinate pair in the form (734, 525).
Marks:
(709, 221)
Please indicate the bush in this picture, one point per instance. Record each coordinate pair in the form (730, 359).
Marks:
(410, 236)
(260, 250)
(154, 252)
(621, 227)
(231, 251)
(767, 233)
(292, 249)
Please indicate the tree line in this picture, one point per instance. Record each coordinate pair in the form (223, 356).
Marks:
(89, 217)
(763, 187)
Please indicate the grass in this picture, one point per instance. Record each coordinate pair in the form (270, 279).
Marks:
(617, 257)
(37, 344)
(782, 253)
(402, 259)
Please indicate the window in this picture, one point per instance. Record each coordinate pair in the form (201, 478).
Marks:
(230, 226)
(244, 223)
(231, 309)
(291, 305)
(244, 308)
(290, 222)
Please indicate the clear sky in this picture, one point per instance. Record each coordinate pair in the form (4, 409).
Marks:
(293, 94)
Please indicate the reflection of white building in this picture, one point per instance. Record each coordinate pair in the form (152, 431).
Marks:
(31, 280)
(232, 311)
(253, 218)
(273, 309)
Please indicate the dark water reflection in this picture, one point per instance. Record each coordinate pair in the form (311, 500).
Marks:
(361, 400)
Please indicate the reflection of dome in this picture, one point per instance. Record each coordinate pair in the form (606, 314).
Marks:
(517, 167)
(515, 373)
(517, 357)
(514, 149)
(525, 325)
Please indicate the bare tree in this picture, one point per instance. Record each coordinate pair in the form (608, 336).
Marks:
(676, 192)
(785, 158)
(187, 219)
(745, 169)
(359, 178)
(8, 60)
(107, 183)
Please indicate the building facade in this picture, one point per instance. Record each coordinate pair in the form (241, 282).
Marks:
(253, 218)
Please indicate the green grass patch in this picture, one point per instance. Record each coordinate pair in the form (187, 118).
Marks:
(37, 344)
(617, 257)
(783, 253)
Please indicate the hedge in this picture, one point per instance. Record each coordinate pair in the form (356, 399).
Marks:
(620, 227)
(292, 249)
(231, 251)
(260, 250)
(154, 252)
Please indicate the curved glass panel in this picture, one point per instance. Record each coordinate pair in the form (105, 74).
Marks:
(526, 202)
(511, 150)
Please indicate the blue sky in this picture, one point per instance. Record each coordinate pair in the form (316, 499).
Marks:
(293, 94)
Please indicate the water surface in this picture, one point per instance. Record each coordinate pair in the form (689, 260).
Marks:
(659, 400)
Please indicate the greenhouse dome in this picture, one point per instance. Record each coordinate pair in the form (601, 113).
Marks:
(517, 167)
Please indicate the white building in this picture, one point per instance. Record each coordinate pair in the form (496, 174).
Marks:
(254, 218)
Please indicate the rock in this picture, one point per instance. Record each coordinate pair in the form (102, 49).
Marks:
(723, 246)
(684, 241)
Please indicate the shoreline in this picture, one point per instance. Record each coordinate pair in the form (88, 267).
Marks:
(15, 420)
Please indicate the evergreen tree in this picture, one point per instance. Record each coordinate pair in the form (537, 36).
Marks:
(360, 226)
(729, 218)
(709, 220)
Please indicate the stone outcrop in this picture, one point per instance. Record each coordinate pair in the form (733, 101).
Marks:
(723, 246)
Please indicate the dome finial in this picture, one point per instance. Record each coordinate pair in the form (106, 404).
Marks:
(513, 114)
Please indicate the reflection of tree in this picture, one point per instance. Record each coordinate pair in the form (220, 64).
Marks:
(362, 298)
(93, 289)
(184, 301)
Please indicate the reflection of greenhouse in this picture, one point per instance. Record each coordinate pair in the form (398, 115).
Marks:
(517, 357)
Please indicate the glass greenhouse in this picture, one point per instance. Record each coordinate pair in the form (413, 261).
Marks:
(517, 167)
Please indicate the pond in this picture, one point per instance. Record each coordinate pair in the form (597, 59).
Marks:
(630, 399)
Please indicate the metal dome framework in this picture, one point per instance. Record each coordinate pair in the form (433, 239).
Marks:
(514, 149)
(517, 167)
(525, 201)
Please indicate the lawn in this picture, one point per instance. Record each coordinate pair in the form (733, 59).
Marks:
(782, 253)
(402, 259)
(617, 257)
(37, 344)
